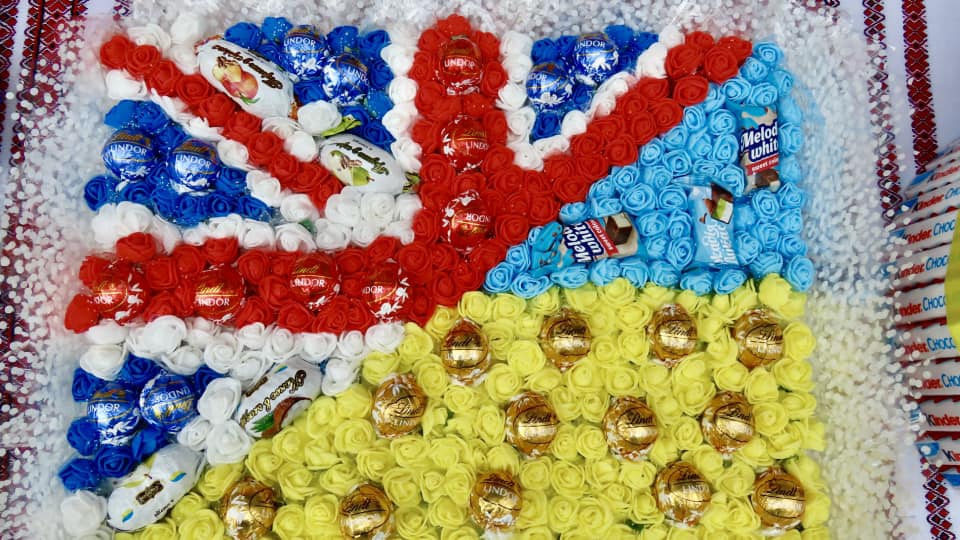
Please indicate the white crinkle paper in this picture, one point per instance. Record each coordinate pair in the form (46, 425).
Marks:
(858, 389)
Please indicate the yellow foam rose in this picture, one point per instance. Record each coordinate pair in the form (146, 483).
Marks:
(338, 479)
(412, 523)
(568, 479)
(432, 378)
(458, 482)
(545, 303)
(656, 296)
(321, 512)
(535, 473)
(818, 509)
(584, 377)
(534, 510)
(163, 530)
(707, 460)
(262, 462)
(633, 317)
(793, 374)
(562, 513)
(417, 342)
(621, 379)
(690, 301)
(692, 386)
(566, 403)
(722, 350)
(594, 406)
(591, 442)
(686, 432)
(544, 380)
(526, 357)
(715, 518)
(460, 399)
(602, 323)
(187, 506)
(774, 291)
(793, 308)
(528, 325)
(741, 518)
(462, 425)
(620, 531)
(503, 457)
(201, 524)
(744, 298)
(601, 472)
(769, 417)
(355, 402)
(446, 513)
(130, 536)
(812, 432)
(540, 532)
(604, 350)
(637, 474)
(321, 415)
(816, 533)
(352, 436)
(408, 451)
(798, 341)
(431, 484)
(296, 482)
(617, 293)
(760, 386)
(731, 377)
(664, 450)
(319, 454)
(434, 419)
(644, 510)
(564, 445)
(373, 462)
(402, 487)
(507, 306)
(289, 522)
(500, 334)
(592, 515)
(502, 383)
(736, 480)
(476, 306)
(446, 451)
(289, 444)
(655, 379)
(721, 307)
(806, 470)
(799, 405)
(378, 365)
(787, 442)
(617, 498)
(755, 453)
(582, 299)
(463, 533)
(215, 480)
(666, 408)
(489, 424)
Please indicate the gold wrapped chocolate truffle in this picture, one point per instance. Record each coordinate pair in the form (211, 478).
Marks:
(727, 422)
(630, 427)
(778, 498)
(531, 424)
(366, 513)
(465, 353)
(759, 337)
(247, 510)
(673, 334)
(565, 338)
(398, 406)
(495, 501)
(682, 493)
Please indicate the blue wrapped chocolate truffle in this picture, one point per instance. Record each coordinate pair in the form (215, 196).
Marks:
(168, 402)
(193, 166)
(345, 79)
(549, 86)
(114, 409)
(129, 154)
(595, 58)
(304, 51)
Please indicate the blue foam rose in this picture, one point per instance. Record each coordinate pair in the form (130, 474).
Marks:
(743, 216)
(85, 385)
(203, 377)
(582, 94)
(114, 461)
(737, 89)
(527, 286)
(694, 118)
(231, 181)
(136, 371)
(244, 34)
(571, 277)
(652, 224)
(782, 80)
(768, 262)
(379, 73)
(791, 138)
(754, 71)
(716, 96)
(547, 124)
(769, 53)
(137, 192)
(274, 28)
(168, 138)
(678, 162)
(790, 170)
(627, 177)
(725, 149)
(765, 204)
(790, 196)
(620, 34)
(727, 280)
(799, 273)
(518, 256)
(699, 145)
(657, 177)
(499, 278)
(663, 274)
(767, 233)
(763, 94)
(789, 111)
(378, 103)
(252, 208)
(721, 122)
(343, 39)
(147, 441)
(603, 189)
(639, 199)
(705, 171)
(746, 246)
(271, 51)
(604, 271)
(309, 91)
(573, 212)
(84, 436)
(99, 191)
(605, 207)
(377, 134)
(372, 43)
(791, 245)
(698, 280)
(78, 474)
(679, 225)
(790, 221)
(732, 179)
(544, 50)
(150, 118)
(635, 270)
(672, 198)
(121, 115)
(675, 138)
(680, 252)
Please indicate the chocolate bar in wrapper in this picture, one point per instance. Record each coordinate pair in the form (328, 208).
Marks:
(145, 495)
(759, 146)
(583, 243)
(711, 208)
(278, 397)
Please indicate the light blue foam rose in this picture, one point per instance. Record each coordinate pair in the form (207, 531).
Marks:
(743, 216)
(767, 233)
(767, 262)
(790, 196)
(671, 198)
(728, 279)
(732, 179)
(791, 138)
(518, 257)
(639, 199)
(655, 246)
(651, 153)
(746, 246)
(680, 252)
(675, 138)
(699, 145)
(695, 117)
(789, 111)
(605, 207)
(782, 79)
(704, 171)
(679, 225)
(725, 149)
(571, 277)
(635, 270)
(737, 89)
(698, 280)
(790, 170)
(790, 221)
(604, 189)
(769, 53)
(715, 98)
(527, 286)
(663, 274)
(722, 122)
(791, 245)
(764, 94)
(652, 224)
(627, 177)
(604, 271)
(678, 162)
(573, 212)
(799, 273)
(764, 202)
(499, 278)
(754, 71)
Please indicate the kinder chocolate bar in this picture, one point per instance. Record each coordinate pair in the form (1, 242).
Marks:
(941, 379)
(920, 268)
(932, 203)
(928, 342)
(711, 208)
(558, 247)
(931, 232)
(948, 155)
(932, 179)
(923, 304)
(759, 145)
(940, 415)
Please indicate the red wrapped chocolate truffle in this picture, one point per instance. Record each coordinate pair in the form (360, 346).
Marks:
(464, 142)
(385, 291)
(314, 279)
(120, 292)
(466, 221)
(460, 67)
(218, 293)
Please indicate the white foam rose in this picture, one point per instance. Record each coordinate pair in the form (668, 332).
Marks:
(199, 128)
(318, 116)
(120, 85)
(281, 344)
(227, 443)
(399, 119)
(187, 28)
(172, 107)
(512, 96)
(551, 145)
(224, 226)
(265, 187)
(516, 43)
(364, 233)
(340, 374)
(201, 331)
(250, 366)
(184, 57)
(526, 156)
(83, 512)
(652, 62)
(256, 234)
(408, 204)
(407, 153)
(160, 336)
(520, 123)
(301, 145)
(167, 233)
(344, 207)
(351, 345)
(222, 352)
(150, 34)
(220, 400)
(401, 230)
(234, 154)
(402, 89)
(294, 237)
(377, 208)
(253, 335)
(384, 337)
(331, 236)
(574, 123)
(194, 434)
(104, 361)
(298, 207)
(517, 67)
(398, 57)
(317, 347)
(183, 361)
(107, 332)
(282, 126)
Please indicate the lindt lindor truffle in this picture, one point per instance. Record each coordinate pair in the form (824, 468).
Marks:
(247, 509)
(759, 337)
(595, 58)
(345, 80)
(464, 142)
(357, 163)
(218, 293)
(315, 279)
(273, 402)
(496, 501)
(560, 246)
(466, 221)
(460, 66)
(465, 353)
(565, 338)
(114, 410)
(366, 513)
(385, 290)
(727, 422)
(398, 406)
(129, 154)
(531, 424)
(258, 85)
(759, 145)
(673, 334)
(120, 292)
(549, 85)
(682, 493)
(193, 166)
(303, 51)
(154, 487)
(630, 427)
(168, 402)
(778, 498)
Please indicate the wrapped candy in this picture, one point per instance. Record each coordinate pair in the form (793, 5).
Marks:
(259, 86)
(120, 292)
(464, 142)
(595, 58)
(465, 353)
(531, 424)
(193, 166)
(366, 514)
(778, 498)
(466, 221)
(682, 493)
(357, 163)
(129, 154)
(314, 279)
(673, 334)
(168, 402)
(630, 427)
(565, 338)
(278, 397)
(727, 422)
(385, 290)
(398, 406)
(460, 66)
(549, 85)
(114, 410)
(759, 337)
(496, 501)
(304, 51)
(247, 509)
(218, 293)
(345, 79)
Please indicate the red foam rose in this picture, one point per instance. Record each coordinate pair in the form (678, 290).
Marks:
(443, 257)
(254, 265)
(494, 77)
(740, 48)
(282, 262)
(633, 102)
(586, 145)
(495, 124)
(308, 178)
(543, 209)
(327, 187)
(445, 289)
(518, 202)
(683, 60)
(164, 78)
(91, 269)
(489, 45)
(454, 25)
(415, 261)
(194, 89)
(275, 291)
(719, 64)
(609, 127)
(593, 169)
(359, 316)
(217, 110)
(242, 126)
(487, 254)
(512, 228)
(621, 152)
(137, 247)
(333, 317)
(421, 305)
(430, 40)
(253, 310)
(294, 317)
(141, 60)
(162, 304)
(652, 89)
(427, 134)
(435, 196)
(162, 273)
(189, 259)
(221, 250)
(571, 190)
(351, 261)
(476, 104)
(383, 248)
(642, 127)
(467, 276)
(113, 53)
(284, 168)
(700, 40)
(690, 90)
(437, 169)
(351, 286)
(264, 147)
(666, 113)
(81, 314)
(424, 65)
(469, 180)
